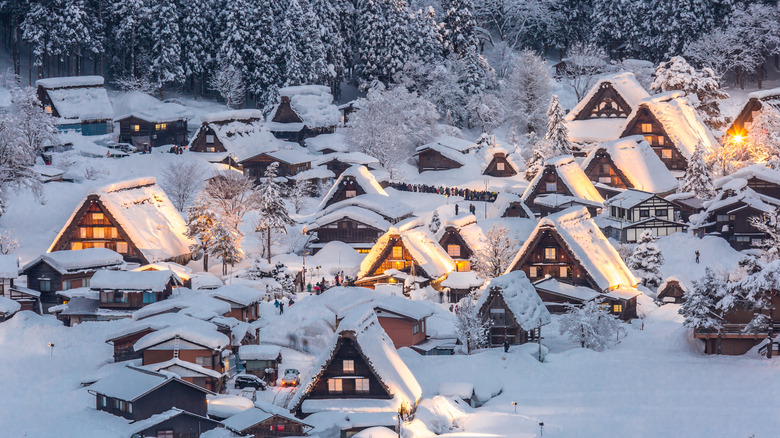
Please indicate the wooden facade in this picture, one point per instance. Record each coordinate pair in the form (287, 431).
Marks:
(602, 169)
(742, 122)
(606, 103)
(550, 183)
(431, 159)
(47, 280)
(457, 248)
(646, 124)
(139, 132)
(656, 214)
(123, 345)
(403, 330)
(347, 230)
(733, 340)
(732, 222)
(285, 114)
(349, 187)
(503, 324)
(172, 393)
(255, 167)
(394, 256)
(206, 140)
(671, 292)
(549, 256)
(764, 187)
(276, 426)
(500, 166)
(122, 299)
(93, 126)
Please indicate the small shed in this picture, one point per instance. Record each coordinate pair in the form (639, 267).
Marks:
(672, 290)
(78, 104)
(261, 360)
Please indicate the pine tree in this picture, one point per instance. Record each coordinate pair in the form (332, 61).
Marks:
(704, 304)
(290, 55)
(370, 40)
(426, 41)
(273, 214)
(528, 92)
(226, 244)
(698, 178)
(396, 49)
(264, 81)
(238, 38)
(755, 293)
(201, 220)
(128, 17)
(197, 39)
(458, 28)
(646, 259)
(557, 133)
(592, 326)
(435, 223)
(329, 31)
(165, 55)
(768, 224)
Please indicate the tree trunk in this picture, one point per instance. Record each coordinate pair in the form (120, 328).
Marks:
(268, 254)
(205, 261)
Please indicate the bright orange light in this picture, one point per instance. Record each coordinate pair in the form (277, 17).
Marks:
(737, 138)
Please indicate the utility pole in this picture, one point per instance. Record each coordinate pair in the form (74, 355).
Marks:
(486, 194)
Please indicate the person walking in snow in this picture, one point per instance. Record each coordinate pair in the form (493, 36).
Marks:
(506, 346)
(281, 308)
(456, 209)
(697, 256)
(276, 303)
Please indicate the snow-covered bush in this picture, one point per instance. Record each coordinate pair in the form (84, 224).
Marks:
(435, 223)
(591, 326)
(585, 62)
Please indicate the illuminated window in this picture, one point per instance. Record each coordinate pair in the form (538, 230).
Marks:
(549, 253)
(76, 245)
(666, 154)
(96, 245)
(348, 366)
(649, 139)
(499, 166)
(605, 179)
(453, 250)
(135, 128)
(160, 126)
(351, 193)
(97, 217)
(617, 308)
(398, 252)
(82, 232)
(121, 247)
(98, 233)
(551, 186)
(211, 149)
(48, 109)
(361, 385)
(209, 139)
(334, 386)
(533, 271)
(563, 271)
(647, 127)
(660, 140)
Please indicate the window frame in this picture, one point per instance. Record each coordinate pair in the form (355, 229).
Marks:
(348, 366)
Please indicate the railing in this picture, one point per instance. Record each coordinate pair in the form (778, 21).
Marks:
(733, 329)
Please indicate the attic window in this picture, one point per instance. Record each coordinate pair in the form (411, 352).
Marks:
(168, 433)
(210, 139)
(453, 250)
(361, 385)
(500, 166)
(97, 217)
(334, 386)
(160, 126)
(649, 139)
(605, 179)
(348, 366)
(647, 127)
(666, 154)
(351, 193)
(135, 128)
(549, 253)
(551, 186)
(533, 271)
(398, 252)
(563, 271)
(660, 140)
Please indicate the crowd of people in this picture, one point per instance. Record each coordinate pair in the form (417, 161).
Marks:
(466, 194)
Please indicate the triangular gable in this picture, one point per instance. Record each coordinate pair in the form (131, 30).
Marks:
(285, 113)
(600, 157)
(385, 249)
(452, 236)
(356, 178)
(621, 88)
(645, 111)
(606, 102)
(492, 167)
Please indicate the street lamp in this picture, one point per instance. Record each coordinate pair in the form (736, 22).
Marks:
(51, 349)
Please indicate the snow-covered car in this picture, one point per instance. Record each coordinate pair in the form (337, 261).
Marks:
(291, 377)
(250, 381)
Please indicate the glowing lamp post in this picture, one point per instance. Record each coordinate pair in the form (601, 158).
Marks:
(51, 349)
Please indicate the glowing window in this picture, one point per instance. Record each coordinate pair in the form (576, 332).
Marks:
(211, 149)
(666, 154)
(563, 271)
(453, 250)
(334, 386)
(160, 126)
(649, 139)
(135, 128)
(98, 217)
(549, 253)
(398, 252)
(660, 140)
(348, 366)
(499, 166)
(76, 245)
(647, 127)
(351, 193)
(98, 233)
(617, 308)
(82, 232)
(605, 179)
(533, 271)
(361, 385)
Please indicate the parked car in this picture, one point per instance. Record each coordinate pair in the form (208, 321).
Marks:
(292, 377)
(249, 381)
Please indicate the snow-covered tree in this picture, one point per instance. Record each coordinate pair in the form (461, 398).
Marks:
(181, 181)
(435, 223)
(756, 292)
(301, 190)
(646, 260)
(226, 244)
(198, 39)
(273, 214)
(698, 178)
(557, 133)
(165, 55)
(458, 27)
(495, 253)
(592, 326)
(229, 83)
(231, 196)
(528, 92)
(769, 224)
(389, 124)
(585, 62)
(762, 142)
(201, 220)
(486, 111)
(129, 17)
(471, 328)
(8, 242)
(704, 304)
(702, 88)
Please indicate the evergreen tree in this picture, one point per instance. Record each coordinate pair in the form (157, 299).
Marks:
(196, 40)
(370, 39)
(426, 41)
(458, 27)
(396, 48)
(557, 133)
(165, 55)
(528, 93)
(264, 82)
(755, 293)
(646, 259)
(435, 223)
(592, 326)
(768, 224)
(704, 304)
(201, 220)
(698, 178)
(291, 56)
(128, 17)
(314, 50)
(330, 19)
(238, 37)
(226, 244)
(273, 214)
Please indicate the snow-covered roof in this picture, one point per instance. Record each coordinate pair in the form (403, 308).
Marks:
(155, 281)
(136, 427)
(382, 358)
(9, 266)
(182, 368)
(182, 271)
(770, 93)
(572, 176)
(735, 191)
(238, 294)
(145, 213)
(259, 352)
(450, 142)
(8, 306)
(149, 108)
(231, 115)
(131, 383)
(197, 304)
(211, 339)
(401, 306)
(70, 81)
(462, 280)
(387, 207)
(76, 260)
(422, 246)
(587, 244)
(582, 293)
(335, 141)
(82, 103)
(313, 104)
(445, 151)
(637, 161)
(355, 158)
(520, 297)
(595, 130)
(503, 201)
(359, 214)
(318, 172)
(629, 198)
(298, 155)
(624, 83)
(362, 177)
(242, 137)
(758, 171)
(159, 322)
(257, 414)
(680, 121)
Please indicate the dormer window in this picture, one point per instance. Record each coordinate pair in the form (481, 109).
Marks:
(647, 128)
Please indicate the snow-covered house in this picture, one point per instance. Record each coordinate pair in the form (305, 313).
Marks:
(130, 290)
(461, 237)
(338, 162)
(137, 394)
(25, 298)
(353, 182)
(763, 180)
(360, 372)
(569, 247)
(515, 311)
(174, 422)
(757, 101)
(404, 321)
(728, 214)
(672, 128)
(356, 226)
(444, 153)
(390, 209)
(191, 303)
(406, 254)
(233, 136)
(561, 184)
(261, 360)
(63, 270)
(134, 218)
(266, 420)
(460, 284)
(303, 111)
(78, 103)
(327, 144)
(153, 128)
(509, 205)
(632, 212)
(499, 162)
(243, 301)
(291, 162)
(672, 290)
(603, 111)
(628, 163)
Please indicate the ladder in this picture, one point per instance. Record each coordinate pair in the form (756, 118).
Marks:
(176, 347)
